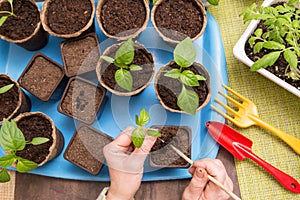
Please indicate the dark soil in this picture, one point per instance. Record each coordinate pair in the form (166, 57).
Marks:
(35, 126)
(162, 155)
(80, 55)
(140, 77)
(41, 77)
(68, 16)
(82, 100)
(279, 68)
(177, 19)
(121, 17)
(8, 100)
(169, 88)
(85, 149)
(25, 22)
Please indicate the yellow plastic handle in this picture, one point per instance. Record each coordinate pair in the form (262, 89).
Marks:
(292, 141)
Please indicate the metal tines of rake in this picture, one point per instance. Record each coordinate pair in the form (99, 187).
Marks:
(247, 115)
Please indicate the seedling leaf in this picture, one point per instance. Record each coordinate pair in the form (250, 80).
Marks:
(6, 88)
(25, 165)
(108, 59)
(189, 78)
(11, 137)
(291, 58)
(143, 119)
(265, 61)
(185, 53)
(124, 79)
(153, 133)
(134, 67)
(125, 53)
(39, 140)
(213, 2)
(7, 160)
(188, 101)
(173, 73)
(138, 137)
(3, 19)
(4, 176)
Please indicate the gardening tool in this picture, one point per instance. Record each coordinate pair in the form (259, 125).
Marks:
(212, 179)
(240, 146)
(247, 115)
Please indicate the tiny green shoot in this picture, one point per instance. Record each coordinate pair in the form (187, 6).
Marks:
(11, 141)
(184, 56)
(7, 13)
(123, 60)
(6, 88)
(139, 133)
(281, 37)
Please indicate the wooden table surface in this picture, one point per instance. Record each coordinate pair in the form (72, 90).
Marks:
(33, 187)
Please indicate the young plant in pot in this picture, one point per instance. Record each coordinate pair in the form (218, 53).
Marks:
(13, 142)
(174, 20)
(13, 100)
(121, 19)
(68, 18)
(125, 69)
(20, 24)
(270, 45)
(85, 148)
(30, 140)
(183, 85)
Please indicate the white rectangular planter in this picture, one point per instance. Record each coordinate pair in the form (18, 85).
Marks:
(239, 53)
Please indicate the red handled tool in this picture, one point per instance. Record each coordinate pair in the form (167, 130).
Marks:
(240, 146)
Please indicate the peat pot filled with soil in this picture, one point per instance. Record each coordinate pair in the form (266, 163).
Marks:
(13, 101)
(85, 148)
(169, 90)
(68, 18)
(80, 55)
(42, 76)
(174, 20)
(123, 76)
(121, 19)
(162, 155)
(22, 24)
(37, 124)
(82, 100)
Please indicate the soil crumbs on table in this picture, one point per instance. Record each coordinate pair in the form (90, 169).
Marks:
(123, 18)
(35, 126)
(178, 19)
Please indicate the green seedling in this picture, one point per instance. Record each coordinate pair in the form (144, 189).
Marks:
(281, 37)
(6, 88)
(11, 141)
(7, 13)
(184, 56)
(139, 133)
(123, 60)
(212, 2)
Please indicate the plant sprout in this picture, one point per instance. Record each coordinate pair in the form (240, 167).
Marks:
(184, 56)
(7, 13)
(6, 88)
(123, 60)
(281, 37)
(11, 141)
(139, 133)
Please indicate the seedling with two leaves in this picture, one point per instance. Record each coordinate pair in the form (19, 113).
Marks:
(281, 37)
(11, 141)
(184, 56)
(139, 133)
(7, 13)
(123, 60)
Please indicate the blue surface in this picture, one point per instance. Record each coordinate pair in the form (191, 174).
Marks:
(119, 112)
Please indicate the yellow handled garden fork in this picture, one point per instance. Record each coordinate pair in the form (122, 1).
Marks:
(247, 115)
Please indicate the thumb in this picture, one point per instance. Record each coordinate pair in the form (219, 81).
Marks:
(198, 182)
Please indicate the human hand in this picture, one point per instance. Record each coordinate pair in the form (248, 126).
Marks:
(201, 188)
(126, 164)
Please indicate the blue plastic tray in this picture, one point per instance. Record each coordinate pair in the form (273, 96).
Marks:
(119, 112)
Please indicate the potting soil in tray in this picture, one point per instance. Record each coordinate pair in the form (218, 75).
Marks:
(119, 112)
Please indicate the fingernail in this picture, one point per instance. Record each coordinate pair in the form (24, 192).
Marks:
(200, 173)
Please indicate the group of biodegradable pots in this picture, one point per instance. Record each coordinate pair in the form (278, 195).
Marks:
(122, 20)
(240, 53)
